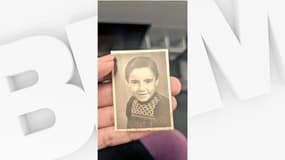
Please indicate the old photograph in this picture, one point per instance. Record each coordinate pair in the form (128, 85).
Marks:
(141, 90)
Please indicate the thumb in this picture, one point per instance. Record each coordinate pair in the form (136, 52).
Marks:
(105, 66)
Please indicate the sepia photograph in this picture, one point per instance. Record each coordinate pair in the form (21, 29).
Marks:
(141, 90)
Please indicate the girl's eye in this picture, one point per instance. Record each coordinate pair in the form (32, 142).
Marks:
(148, 80)
(134, 81)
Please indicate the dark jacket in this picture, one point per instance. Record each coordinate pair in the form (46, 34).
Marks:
(160, 118)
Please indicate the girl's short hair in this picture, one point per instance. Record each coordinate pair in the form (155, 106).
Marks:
(140, 62)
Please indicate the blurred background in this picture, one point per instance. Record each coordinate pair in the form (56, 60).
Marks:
(127, 25)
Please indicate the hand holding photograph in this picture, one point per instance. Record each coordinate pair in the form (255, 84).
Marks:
(141, 90)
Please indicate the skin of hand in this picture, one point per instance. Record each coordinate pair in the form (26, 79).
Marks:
(107, 136)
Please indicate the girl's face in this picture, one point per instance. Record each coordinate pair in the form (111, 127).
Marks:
(142, 83)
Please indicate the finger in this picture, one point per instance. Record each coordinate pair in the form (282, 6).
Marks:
(109, 137)
(175, 86)
(106, 58)
(105, 67)
(105, 96)
(105, 117)
(174, 103)
(106, 114)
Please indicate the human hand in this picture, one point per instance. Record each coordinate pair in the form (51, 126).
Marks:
(107, 136)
